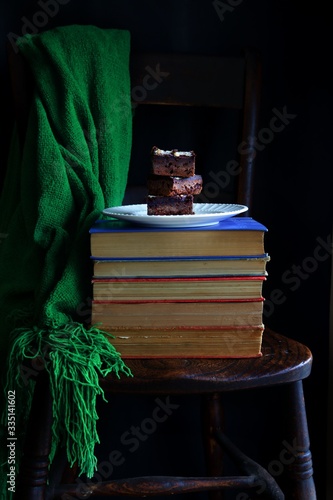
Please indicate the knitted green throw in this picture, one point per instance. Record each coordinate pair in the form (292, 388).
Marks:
(73, 164)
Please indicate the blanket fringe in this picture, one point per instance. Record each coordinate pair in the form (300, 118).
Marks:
(75, 358)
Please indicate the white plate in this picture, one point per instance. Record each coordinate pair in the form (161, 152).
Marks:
(205, 214)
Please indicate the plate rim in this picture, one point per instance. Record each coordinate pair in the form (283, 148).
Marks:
(202, 218)
(243, 208)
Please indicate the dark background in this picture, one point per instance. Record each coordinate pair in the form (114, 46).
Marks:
(293, 195)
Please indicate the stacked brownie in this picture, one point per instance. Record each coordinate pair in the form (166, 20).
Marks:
(172, 182)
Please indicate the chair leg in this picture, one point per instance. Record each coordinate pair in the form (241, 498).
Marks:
(33, 474)
(300, 460)
(212, 419)
(216, 444)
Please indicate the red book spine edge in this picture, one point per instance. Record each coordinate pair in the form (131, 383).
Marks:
(185, 328)
(166, 356)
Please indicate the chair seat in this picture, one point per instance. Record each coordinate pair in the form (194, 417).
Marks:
(283, 360)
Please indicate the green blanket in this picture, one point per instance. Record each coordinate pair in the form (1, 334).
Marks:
(73, 164)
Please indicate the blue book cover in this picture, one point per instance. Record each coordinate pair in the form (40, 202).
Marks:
(194, 258)
(230, 224)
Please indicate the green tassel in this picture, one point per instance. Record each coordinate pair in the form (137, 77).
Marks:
(75, 358)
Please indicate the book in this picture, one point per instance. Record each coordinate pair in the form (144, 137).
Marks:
(195, 288)
(242, 236)
(182, 343)
(180, 267)
(115, 315)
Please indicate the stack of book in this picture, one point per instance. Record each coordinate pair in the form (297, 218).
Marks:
(180, 292)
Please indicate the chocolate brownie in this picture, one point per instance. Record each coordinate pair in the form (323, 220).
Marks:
(170, 205)
(160, 185)
(172, 162)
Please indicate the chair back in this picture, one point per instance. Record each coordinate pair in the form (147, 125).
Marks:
(204, 86)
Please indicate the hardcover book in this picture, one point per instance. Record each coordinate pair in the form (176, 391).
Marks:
(217, 288)
(236, 236)
(185, 343)
(141, 315)
(180, 267)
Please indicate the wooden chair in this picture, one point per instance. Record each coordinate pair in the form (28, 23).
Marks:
(231, 82)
